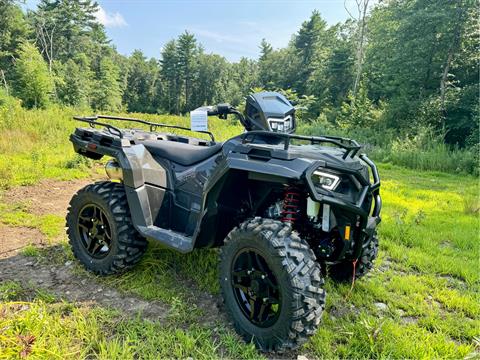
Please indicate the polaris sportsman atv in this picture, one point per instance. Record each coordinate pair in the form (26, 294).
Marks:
(285, 209)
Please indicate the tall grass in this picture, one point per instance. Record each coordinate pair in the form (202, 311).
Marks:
(438, 157)
(423, 151)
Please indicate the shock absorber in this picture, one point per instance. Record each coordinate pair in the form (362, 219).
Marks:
(291, 202)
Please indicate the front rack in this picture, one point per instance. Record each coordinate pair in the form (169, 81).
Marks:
(351, 146)
(93, 120)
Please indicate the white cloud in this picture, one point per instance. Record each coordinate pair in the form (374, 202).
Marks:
(110, 19)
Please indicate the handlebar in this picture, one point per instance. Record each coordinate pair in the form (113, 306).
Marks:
(222, 110)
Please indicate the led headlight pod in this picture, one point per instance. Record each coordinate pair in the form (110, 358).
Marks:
(281, 125)
(325, 180)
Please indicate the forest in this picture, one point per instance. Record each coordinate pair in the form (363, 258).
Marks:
(400, 75)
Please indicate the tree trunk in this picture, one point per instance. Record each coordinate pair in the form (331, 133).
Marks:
(4, 81)
(362, 11)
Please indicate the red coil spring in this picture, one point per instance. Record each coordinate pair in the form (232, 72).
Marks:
(290, 205)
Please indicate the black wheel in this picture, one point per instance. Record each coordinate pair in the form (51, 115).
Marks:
(271, 284)
(343, 272)
(100, 229)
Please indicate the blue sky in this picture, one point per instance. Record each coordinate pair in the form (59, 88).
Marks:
(229, 28)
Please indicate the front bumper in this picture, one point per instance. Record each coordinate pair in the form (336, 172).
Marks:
(369, 217)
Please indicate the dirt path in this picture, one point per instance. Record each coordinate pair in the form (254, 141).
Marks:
(46, 197)
(52, 197)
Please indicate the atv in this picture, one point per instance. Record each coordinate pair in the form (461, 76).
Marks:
(285, 209)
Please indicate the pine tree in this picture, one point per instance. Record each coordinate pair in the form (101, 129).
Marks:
(187, 53)
(108, 95)
(265, 50)
(170, 75)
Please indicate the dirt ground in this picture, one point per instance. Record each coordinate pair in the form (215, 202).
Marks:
(46, 197)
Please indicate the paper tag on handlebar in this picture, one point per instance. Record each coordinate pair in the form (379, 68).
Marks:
(199, 120)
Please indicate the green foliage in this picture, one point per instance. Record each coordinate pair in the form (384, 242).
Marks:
(143, 77)
(13, 32)
(74, 82)
(34, 84)
(358, 111)
(107, 92)
(414, 48)
(423, 149)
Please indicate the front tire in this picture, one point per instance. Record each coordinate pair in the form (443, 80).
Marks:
(271, 284)
(100, 229)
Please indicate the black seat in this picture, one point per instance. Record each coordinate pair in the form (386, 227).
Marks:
(181, 153)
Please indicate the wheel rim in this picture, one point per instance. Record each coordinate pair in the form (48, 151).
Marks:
(95, 231)
(256, 288)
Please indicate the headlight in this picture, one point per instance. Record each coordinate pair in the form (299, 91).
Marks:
(281, 125)
(325, 180)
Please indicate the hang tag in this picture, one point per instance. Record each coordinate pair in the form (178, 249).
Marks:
(198, 120)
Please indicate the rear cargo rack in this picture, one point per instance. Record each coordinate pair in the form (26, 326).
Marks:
(93, 121)
(351, 146)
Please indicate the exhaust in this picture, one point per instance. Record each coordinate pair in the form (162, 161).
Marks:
(113, 170)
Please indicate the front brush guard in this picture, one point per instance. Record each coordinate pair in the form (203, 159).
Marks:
(369, 220)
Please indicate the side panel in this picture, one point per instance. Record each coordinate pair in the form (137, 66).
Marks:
(236, 185)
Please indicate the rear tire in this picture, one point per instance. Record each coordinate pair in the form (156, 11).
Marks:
(343, 272)
(295, 295)
(100, 229)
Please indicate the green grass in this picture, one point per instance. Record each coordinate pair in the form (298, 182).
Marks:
(427, 273)
(18, 214)
(42, 327)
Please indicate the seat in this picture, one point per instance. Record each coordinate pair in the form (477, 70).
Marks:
(181, 153)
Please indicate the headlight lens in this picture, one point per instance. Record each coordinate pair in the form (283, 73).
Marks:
(325, 180)
(281, 125)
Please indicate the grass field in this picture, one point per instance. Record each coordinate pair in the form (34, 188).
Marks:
(420, 301)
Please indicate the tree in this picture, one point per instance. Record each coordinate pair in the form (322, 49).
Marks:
(265, 50)
(209, 78)
(170, 75)
(74, 81)
(107, 92)
(187, 53)
(242, 77)
(408, 70)
(13, 31)
(360, 18)
(34, 84)
(64, 27)
(280, 69)
(141, 84)
(310, 39)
